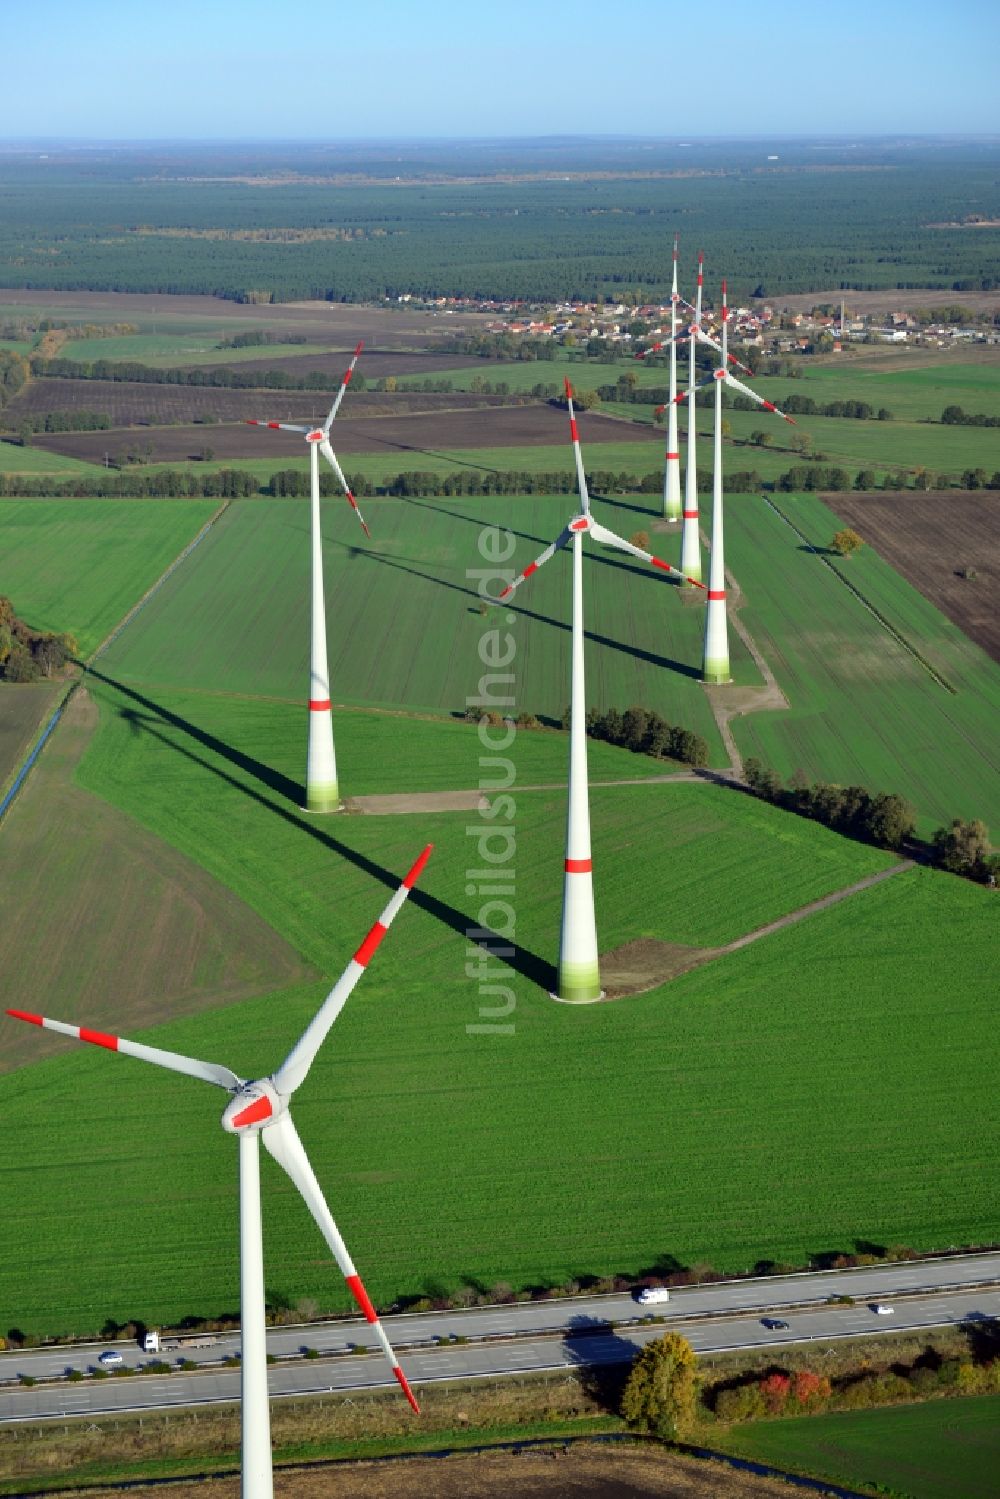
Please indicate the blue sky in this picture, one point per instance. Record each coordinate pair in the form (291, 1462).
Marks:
(126, 69)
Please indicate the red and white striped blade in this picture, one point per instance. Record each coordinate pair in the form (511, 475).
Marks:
(706, 338)
(206, 1072)
(767, 405)
(608, 538)
(581, 477)
(331, 459)
(277, 426)
(533, 567)
(295, 1068)
(345, 382)
(682, 395)
(282, 1142)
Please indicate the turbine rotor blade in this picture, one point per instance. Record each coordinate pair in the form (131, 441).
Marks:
(581, 477)
(533, 567)
(295, 1068)
(706, 338)
(278, 426)
(281, 1141)
(767, 405)
(602, 534)
(345, 382)
(206, 1072)
(331, 459)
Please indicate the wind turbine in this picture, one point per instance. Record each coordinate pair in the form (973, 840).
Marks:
(579, 980)
(322, 789)
(672, 469)
(690, 540)
(260, 1109)
(715, 662)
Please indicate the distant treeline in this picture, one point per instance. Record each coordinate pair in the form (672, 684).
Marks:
(65, 421)
(225, 377)
(954, 416)
(140, 481)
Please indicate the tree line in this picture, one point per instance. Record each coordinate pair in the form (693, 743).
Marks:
(885, 819)
(954, 416)
(135, 483)
(27, 654)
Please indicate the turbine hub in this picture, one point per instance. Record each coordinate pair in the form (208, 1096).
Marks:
(581, 523)
(316, 436)
(252, 1108)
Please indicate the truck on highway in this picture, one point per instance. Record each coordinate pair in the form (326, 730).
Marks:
(151, 1341)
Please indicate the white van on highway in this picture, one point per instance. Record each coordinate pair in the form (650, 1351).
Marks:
(653, 1295)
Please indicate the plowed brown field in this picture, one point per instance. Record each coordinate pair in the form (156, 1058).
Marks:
(133, 404)
(323, 321)
(374, 364)
(928, 538)
(408, 436)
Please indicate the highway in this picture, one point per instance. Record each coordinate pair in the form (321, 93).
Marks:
(511, 1339)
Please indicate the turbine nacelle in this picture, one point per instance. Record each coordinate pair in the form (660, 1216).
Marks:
(316, 436)
(253, 1107)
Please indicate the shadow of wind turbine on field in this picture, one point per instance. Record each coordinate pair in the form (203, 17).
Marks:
(275, 780)
(524, 962)
(638, 652)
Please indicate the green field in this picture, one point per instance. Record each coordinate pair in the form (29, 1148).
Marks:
(404, 616)
(863, 710)
(923, 391)
(79, 565)
(944, 1449)
(522, 374)
(414, 1114)
(169, 350)
(15, 459)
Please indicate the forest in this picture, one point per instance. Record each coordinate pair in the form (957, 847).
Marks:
(874, 216)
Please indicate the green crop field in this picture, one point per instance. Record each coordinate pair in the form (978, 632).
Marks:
(863, 710)
(167, 350)
(523, 374)
(72, 906)
(415, 1124)
(921, 392)
(79, 565)
(943, 1449)
(15, 459)
(377, 752)
(404, 613)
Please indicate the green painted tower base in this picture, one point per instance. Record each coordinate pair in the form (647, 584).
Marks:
(323, 798)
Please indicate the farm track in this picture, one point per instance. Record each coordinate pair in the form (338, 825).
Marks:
(662, 961)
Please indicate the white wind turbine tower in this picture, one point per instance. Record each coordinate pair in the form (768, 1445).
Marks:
(579, 978)
(322, 789)
(260, 1109)
(690, 540)
(715, 664)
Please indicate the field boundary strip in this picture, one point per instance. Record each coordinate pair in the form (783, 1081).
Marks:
(30, 759)
(872, 610)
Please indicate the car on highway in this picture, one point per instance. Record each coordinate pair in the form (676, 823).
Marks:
(881, 1310)
(774, 1324)
(653, 1295)
(110, 1360)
